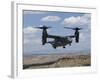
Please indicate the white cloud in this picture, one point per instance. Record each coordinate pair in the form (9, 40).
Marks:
(29, 30)
(77, 21)
(34, 12)
(51, 18)
(32, 41)
(85, 34)
(30, 35)
(83, 22)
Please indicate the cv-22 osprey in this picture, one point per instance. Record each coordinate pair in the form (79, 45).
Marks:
(59, 41)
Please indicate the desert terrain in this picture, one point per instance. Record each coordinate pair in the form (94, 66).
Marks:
(56, 61)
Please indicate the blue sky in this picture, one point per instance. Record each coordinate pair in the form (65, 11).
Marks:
(57, 20)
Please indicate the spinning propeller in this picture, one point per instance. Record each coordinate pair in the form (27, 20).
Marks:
(76, 28)
(44, 33)
(43, 27)
(76, 34)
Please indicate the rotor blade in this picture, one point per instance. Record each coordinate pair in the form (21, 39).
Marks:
(39, 27)
(68, 28)
(76, 28)
(44, 27)
(48, 27)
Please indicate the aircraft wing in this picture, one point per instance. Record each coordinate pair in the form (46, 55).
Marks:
(54, 36)
(72, 36)
(59, 37)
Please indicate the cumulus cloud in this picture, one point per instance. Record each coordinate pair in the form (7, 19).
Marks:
(32, 41)
(29, 30)
(30, 35)
(84, 22)
(77, 21)
(51, 18)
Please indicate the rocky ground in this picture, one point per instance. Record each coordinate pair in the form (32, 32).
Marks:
(55, 61)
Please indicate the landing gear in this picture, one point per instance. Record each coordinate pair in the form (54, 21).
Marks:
(70, 44)
(54, 46)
